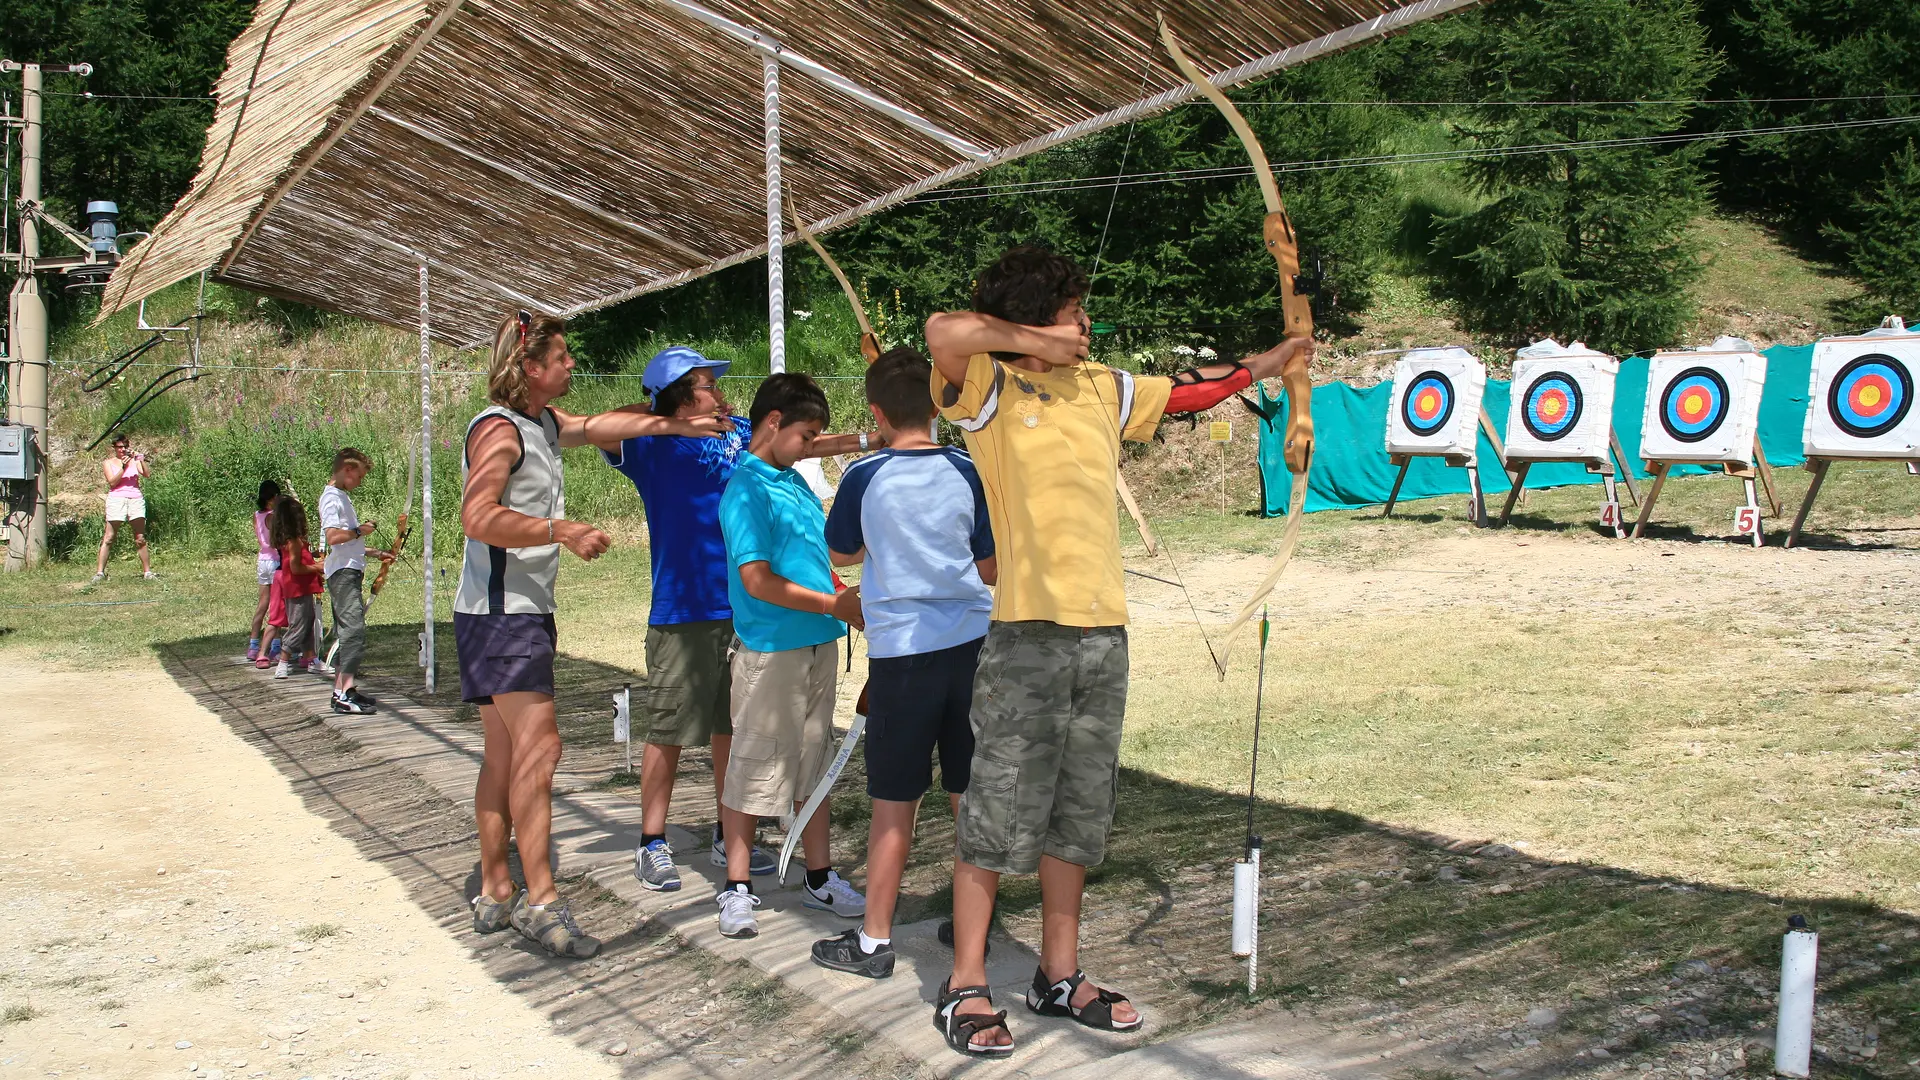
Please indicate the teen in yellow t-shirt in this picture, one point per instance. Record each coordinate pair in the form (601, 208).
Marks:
(1044, 426)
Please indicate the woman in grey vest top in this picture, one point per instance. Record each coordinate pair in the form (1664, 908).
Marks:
(513, 510)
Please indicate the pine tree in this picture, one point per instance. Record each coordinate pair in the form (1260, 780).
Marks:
(1886, 247)
(1586, 243)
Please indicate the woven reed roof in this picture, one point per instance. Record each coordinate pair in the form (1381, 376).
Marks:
(569, 154)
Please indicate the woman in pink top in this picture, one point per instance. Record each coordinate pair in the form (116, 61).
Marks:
(125, 503)
(265, 563)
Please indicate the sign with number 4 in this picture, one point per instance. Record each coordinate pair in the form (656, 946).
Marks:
(1610, 515)
(1746, 521)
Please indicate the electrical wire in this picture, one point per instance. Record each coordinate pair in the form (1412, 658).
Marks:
(76, 368)
(1174, 176)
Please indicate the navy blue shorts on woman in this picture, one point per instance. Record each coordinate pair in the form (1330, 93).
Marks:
(504, 654)
(915, 705)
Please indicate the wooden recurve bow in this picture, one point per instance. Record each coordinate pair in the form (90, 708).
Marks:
(1297, 317)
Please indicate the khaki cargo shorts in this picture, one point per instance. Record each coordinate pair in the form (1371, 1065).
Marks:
(688, 684)
(782, 726)
(1048, 702)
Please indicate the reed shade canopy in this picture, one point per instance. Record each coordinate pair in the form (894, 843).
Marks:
(563, 156)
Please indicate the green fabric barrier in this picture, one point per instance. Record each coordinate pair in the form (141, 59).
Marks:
(1351, 469)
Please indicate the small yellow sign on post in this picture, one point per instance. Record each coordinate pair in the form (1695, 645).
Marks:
(1220, 431)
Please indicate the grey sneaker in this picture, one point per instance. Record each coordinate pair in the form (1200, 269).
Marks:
(653, 865)
(491, 916)
(843, 953)
(553, 927)
(736, 913)
(836, 896)
(762, 862)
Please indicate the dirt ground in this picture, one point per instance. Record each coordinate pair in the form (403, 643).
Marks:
(173, 904)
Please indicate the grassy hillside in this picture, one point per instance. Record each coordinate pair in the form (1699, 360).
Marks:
(281, 390)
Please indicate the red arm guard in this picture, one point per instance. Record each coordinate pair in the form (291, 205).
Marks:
(1196, 397)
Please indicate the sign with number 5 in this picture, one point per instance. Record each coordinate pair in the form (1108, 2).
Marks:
(1746, 521)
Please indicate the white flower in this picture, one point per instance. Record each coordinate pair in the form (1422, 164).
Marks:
(1183, 350)
(1207, 353)
(803, 316)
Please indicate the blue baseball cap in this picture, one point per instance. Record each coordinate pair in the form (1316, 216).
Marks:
(669, 364)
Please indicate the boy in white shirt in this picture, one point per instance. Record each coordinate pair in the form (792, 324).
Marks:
(345, 568)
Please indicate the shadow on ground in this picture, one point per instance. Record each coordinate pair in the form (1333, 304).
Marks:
(1365, 926)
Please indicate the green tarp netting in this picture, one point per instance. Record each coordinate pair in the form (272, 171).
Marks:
(1351, 470)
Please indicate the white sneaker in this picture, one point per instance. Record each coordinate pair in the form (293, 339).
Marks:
(736, 913)
(283, 670)
(321, 668)
(836, 896)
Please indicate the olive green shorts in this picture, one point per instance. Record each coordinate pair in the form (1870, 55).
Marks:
(1048, 702)
(688, 683)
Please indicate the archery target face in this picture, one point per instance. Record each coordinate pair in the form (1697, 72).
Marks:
(1860, 401)
(1435, 407)
(1561, 407)
(1702, 406)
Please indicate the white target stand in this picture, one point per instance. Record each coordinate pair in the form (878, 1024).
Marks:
(1860, 405)
(1562, 412)
(1703, 408)
(1436, 412)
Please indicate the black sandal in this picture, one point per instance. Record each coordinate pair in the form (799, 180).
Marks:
(1056, 999)
(961, 1028)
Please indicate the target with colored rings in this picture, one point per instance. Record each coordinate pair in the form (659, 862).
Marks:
(1428, 404)
(1870, 396)
(1551, 406)
(1694, 404)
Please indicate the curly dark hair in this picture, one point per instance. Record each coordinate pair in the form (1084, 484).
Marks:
(1028, 285)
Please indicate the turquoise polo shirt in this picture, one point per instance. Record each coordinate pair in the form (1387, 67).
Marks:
(770, 515)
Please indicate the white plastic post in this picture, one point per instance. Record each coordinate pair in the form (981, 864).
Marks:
(427, 659)
(776, 289)
(1793, 1027)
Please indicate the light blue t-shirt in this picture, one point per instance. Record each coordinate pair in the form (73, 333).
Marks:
(922, 517)
(770, 515)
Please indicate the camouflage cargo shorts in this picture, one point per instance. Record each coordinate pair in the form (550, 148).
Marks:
(1048, 701)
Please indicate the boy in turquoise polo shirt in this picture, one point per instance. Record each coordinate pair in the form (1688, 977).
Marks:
(789, 622)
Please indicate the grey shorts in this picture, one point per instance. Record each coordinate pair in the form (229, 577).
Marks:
(688, 683)
(1048, 703)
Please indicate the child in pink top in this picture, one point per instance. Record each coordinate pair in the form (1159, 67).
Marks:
(264, 564)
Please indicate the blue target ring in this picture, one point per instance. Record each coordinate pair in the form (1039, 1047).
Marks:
(1870, 396)
(1694, 404)
(1551, 406)
(1428, 403)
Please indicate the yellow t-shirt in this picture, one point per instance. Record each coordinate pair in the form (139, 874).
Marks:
(1047, 448)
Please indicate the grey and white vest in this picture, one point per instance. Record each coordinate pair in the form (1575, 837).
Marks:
(517, 581)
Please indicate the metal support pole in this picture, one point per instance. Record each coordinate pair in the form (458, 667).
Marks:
(427, 657)
(776, 290)
(27, 396)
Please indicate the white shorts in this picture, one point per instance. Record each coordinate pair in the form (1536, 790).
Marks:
(263, 568)
(126, 507)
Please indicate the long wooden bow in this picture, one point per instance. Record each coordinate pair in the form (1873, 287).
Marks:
(869, 341)
(1297, 315)
(401, 525)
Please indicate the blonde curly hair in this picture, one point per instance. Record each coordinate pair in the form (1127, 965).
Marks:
(522, 336)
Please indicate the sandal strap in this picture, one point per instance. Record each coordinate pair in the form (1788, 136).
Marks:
(1061, 993)
(951, 997)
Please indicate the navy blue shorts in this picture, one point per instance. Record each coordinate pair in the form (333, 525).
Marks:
(915, 705)
(504, 654)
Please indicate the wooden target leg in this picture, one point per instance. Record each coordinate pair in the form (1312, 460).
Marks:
(1479, 497)
(1613, 500)
(1659, 470)
(1819, 467)
(1766, 476)
(1394, 495)
(1753, 501)
(1620, 460)
(1519, 480)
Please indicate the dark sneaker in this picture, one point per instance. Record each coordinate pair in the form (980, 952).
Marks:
(553, 927)
(491, 916)
(843, 953)
(347, 703)
(761, 864)
(354, 694)
(653, 865)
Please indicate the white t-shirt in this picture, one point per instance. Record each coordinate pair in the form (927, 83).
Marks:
(336, 512)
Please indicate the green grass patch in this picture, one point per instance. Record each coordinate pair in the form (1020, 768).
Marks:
(20, 1014)
(314, 932)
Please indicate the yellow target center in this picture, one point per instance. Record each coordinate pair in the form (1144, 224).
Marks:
(1693, 404)
(1429, 402)
(1869, 395)
(1550, 408)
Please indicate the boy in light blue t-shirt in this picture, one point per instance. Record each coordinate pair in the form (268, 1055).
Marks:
(789, 620)
(916, 515)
